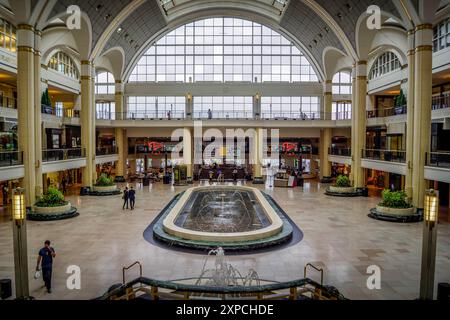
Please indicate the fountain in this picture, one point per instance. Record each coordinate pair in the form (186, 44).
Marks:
(224, 274)
(235, 218)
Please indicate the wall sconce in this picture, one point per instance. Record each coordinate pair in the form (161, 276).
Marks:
(18, 208)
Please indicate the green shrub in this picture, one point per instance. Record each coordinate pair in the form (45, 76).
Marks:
(52, 198)
(343, 182)
(104, 181)
(395, 199)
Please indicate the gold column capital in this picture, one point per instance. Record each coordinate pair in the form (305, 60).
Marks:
(328, 93)
(87, 78)
(361, 78)
(410, 53)
(424, 48)
(328, 81)
(361, 63)
(118, 81)
(25, 49)
(119, 93)
(411, 32)
(86, 63)
(25, 27)
(38, 33)
(425, 26)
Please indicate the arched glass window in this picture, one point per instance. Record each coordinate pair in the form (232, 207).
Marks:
(105, 83)
(223, 50)
(64, 64)
(385, 63)
(7, 36)
(342, 83)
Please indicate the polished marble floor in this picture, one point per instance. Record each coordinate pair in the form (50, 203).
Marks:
(338, 236)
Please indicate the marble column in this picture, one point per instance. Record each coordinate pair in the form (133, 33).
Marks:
(325, 145)
(257, 106)
(38, 114)
(26, 108)
(359, 123)
(410, 116)
(189, 106)
(422, 109)
(353, 126)
(119, 132)
(257, 153)
(119, 101)
(326, 133)
(87, 122)
(187, 151)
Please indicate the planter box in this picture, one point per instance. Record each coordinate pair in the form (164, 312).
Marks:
(52, 210)
(396, 212)
(104, 189)
(341, 189)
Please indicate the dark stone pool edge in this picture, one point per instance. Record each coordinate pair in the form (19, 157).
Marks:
(290, 235)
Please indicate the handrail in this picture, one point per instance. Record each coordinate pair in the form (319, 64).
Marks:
(315, 268)
(231, 290)
(129, 267)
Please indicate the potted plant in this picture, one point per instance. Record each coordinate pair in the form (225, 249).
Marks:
(46, 103)
(342, 187)
(400, 103)
(105, 186)
(395, 203)
(52, 206)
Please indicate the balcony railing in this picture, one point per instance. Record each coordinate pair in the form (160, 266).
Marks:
(63, 154)
(343, 152)
(382, 113)
(6, 102)
(293, 115)
(11, 158)
(385, 155)
(106, 151)
(438, 159)
(224, 115)
(441, 102)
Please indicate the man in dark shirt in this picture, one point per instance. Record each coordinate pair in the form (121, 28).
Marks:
(132, 195)
(126, 197)
(45, 260)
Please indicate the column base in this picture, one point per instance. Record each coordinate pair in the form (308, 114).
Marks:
(258, 180)
(119, 179)
(326, 180)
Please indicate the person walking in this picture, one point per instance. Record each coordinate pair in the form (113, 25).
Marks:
(64, 185)
(270, 175)
(45, 261)
(5, 191)
(125, 197)
(132, 196)
(209, 114)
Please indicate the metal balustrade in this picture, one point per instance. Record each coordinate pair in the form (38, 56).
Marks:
(7, 102)
(383, 113)
(438, 159)
(52, 155)
(343, 152)
(385, 155)
(106, 151)
(440, 102)
(233, 115)
(11, 158)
